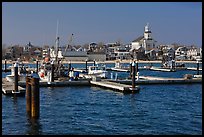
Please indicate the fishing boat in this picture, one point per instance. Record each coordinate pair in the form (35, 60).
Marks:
(21, 72)
(99, 71)
(119, 67)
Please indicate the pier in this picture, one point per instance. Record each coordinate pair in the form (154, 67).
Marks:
(148, 80)
(115, 86)
(8, 88)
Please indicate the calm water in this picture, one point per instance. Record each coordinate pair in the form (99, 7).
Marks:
(156, 109)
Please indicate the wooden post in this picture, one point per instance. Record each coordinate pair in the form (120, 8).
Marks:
(37, 66)
(136, 69)
(15, 77)
(130, 69)
(133, 75)
(5, 65)
(35, 101)
(197, 67)
(86, 65)
(28, 96)
(69, 66)
(94, 62)
(52, 71)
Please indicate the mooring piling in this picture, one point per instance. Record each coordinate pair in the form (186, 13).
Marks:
(130, 69)
(94, 62)
(133, 75)
(52, 71)
(86, 65)
(28, 96)
(197, 67)
(37, 66)
(32, 96)
(15, 77)
(5, 65)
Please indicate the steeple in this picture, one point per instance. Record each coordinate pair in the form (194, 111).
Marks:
(147, 32)
(147, 28)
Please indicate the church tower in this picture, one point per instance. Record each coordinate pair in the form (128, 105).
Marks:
(147, 32)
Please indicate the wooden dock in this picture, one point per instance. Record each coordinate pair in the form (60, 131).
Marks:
(8, 88)
(115, 86)
(120, 69)
(162, 69)
(148, 80)
(194, 69)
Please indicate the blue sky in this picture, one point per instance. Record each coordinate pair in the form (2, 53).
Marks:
(101, 22)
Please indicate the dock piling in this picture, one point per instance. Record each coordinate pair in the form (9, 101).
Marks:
(32, 96)
(94, 62)
(136, 69)
(130, 69)
(5, 65)
(28, 96)
(133, 75)
(15, 77)
(197, 67)
(37, 66)
(52, 71)
(86, 65)
(35, 102)
(69, 67)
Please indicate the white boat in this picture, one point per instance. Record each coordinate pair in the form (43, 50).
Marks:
(99, 71)
(119, 67)
(21, 72)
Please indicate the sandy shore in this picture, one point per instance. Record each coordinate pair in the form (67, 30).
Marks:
(106, 62)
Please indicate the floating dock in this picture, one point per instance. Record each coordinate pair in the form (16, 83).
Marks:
(148, 80)
(120, 69)
(58, 83)
(8, 89)
(115, 86)
(195, 69)
(162, 69)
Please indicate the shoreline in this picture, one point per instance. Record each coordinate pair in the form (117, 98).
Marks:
(105, 62)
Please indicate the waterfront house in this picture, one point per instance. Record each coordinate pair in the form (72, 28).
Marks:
(194, 53)
(181, 53)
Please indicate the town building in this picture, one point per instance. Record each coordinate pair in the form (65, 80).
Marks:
(144, 45)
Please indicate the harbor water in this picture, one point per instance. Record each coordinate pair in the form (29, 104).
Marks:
(87, 110)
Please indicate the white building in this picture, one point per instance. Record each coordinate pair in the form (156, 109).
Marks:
(146, 42)
(181, 53)
(194, 53)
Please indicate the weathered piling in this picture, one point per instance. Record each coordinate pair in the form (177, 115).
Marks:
(37, 66)
(16, 77)
(130, 69)
(133, 75)
(5, 65)
(197, 67)
(136, 69)
(28, 96)
(86, 65)
(52, 71)
(94, 62)
(35, 102)
(32, 96)
(69, 67)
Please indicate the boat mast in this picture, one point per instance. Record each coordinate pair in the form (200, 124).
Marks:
(57, 43)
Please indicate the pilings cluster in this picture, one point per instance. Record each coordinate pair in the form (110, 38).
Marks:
(32, 96)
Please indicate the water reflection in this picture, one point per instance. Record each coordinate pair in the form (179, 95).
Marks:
(34, 127)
